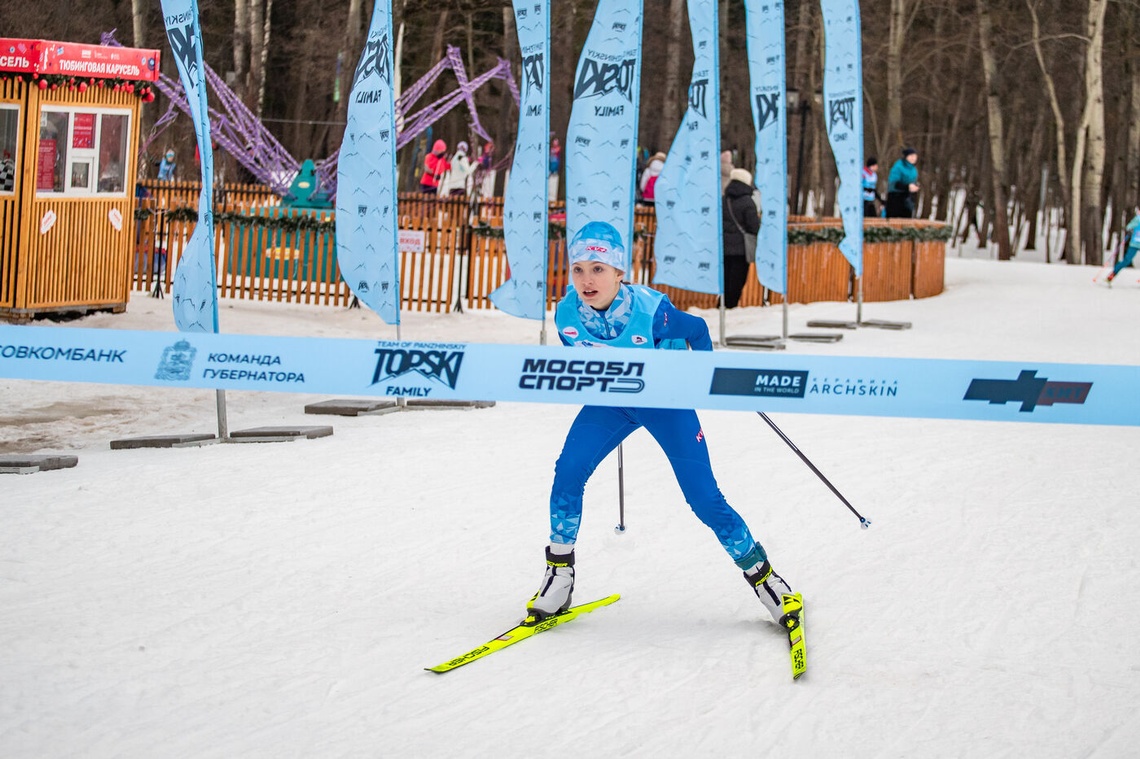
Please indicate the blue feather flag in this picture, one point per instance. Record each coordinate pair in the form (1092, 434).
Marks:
(366, 199)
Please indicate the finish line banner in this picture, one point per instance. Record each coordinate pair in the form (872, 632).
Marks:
(1021, 391)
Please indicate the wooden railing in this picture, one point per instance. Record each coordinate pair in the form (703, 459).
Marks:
(464, 256)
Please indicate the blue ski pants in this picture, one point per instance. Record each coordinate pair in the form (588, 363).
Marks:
(1125, 262)
(598, 430)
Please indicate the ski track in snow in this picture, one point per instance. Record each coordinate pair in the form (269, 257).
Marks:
(281, 600)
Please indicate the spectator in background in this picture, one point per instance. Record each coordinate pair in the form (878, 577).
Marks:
(649, 178)
(455, 183)
(485, 173)
(167, 166)
(435, 166)
(871, 187)
(1133, 232)
(726, 168)
(7, 173)
(554, 166)
(902, 186)
(487, 155)
(739, 219)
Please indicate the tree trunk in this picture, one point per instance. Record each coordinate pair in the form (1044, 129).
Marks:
(1093, 176)
(994, 122)
(255, 21)
(1058, 115)
(1132, 152)
(239, 81)
(266, 26)
(801, 78)
(139, 12)
(507, 110)
(896, 38)
(349, 54)
(674, 92)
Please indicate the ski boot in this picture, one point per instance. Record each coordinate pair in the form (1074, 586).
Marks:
(557, 589)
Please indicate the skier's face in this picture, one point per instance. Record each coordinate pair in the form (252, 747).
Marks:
(596, 283)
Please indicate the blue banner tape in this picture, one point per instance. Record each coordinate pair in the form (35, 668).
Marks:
(1021, 391)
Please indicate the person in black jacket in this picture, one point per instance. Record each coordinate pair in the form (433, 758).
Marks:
(740, 216)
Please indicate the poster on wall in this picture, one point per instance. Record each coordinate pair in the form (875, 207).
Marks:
(83, 133)
(45, 166)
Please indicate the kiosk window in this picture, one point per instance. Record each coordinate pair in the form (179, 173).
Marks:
(9, 141)
(82, 151)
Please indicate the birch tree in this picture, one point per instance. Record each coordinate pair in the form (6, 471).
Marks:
(1081, 209)
(996, 130)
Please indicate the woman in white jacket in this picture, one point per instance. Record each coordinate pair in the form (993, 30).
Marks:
(455, 183)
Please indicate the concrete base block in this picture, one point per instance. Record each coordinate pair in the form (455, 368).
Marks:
(425, 403)
(278, 434)
(17, 464)
(350, 407)
(366, 407)
(756, 342)
(880, 324)
(816, 337)
(830, 324)
(164, 441)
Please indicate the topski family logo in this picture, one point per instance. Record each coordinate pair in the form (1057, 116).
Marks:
(176, 363)
(1029, 390)
(374, 60)
(603, 77)
(438, 365)
(183, 42)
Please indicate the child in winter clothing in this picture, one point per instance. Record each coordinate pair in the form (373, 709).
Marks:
(1133, 228)
(649, 178)
(902, 184)
(435, 166)
(600, 310)
(870, 187)
(455, 183)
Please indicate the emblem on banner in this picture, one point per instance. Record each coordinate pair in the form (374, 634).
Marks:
(1028, 389)
(177, 361)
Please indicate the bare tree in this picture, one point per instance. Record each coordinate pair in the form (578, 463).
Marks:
(994, 120)
(1083, 210)
(139, 11)
(674, 92)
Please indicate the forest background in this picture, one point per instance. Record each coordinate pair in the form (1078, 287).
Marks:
(1025, 113)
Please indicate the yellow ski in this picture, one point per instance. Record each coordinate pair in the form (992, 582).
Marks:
(528, 628)
(794, 625)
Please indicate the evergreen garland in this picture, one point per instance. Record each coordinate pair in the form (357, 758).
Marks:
(143, 89)
(796, 235)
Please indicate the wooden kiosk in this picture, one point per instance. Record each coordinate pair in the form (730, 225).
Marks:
(69, 136)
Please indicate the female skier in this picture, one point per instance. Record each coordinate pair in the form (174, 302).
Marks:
(601, 310)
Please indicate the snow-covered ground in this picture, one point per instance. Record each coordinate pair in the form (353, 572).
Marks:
(281, 600)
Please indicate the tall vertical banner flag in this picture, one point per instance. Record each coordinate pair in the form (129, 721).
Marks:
(195, 287)
(526, 228)
(366, 211)
(843, 98)
(689, 241)
(601, 139)
(764, 22)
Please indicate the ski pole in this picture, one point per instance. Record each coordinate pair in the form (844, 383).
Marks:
(620, 529)
(863, 522)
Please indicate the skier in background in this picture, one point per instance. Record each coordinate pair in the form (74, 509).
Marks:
(1133, 229)
(600, 310)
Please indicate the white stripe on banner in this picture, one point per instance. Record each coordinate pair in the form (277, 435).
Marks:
(689, 241)
(526, 224)
(843, 98)
(766, 73)
(195, 286)
(601, 139)
(366, 212)
(1021, 391)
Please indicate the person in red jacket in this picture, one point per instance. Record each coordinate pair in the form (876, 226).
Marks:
(435, 166)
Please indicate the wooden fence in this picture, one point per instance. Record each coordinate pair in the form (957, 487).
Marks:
(464, 257)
